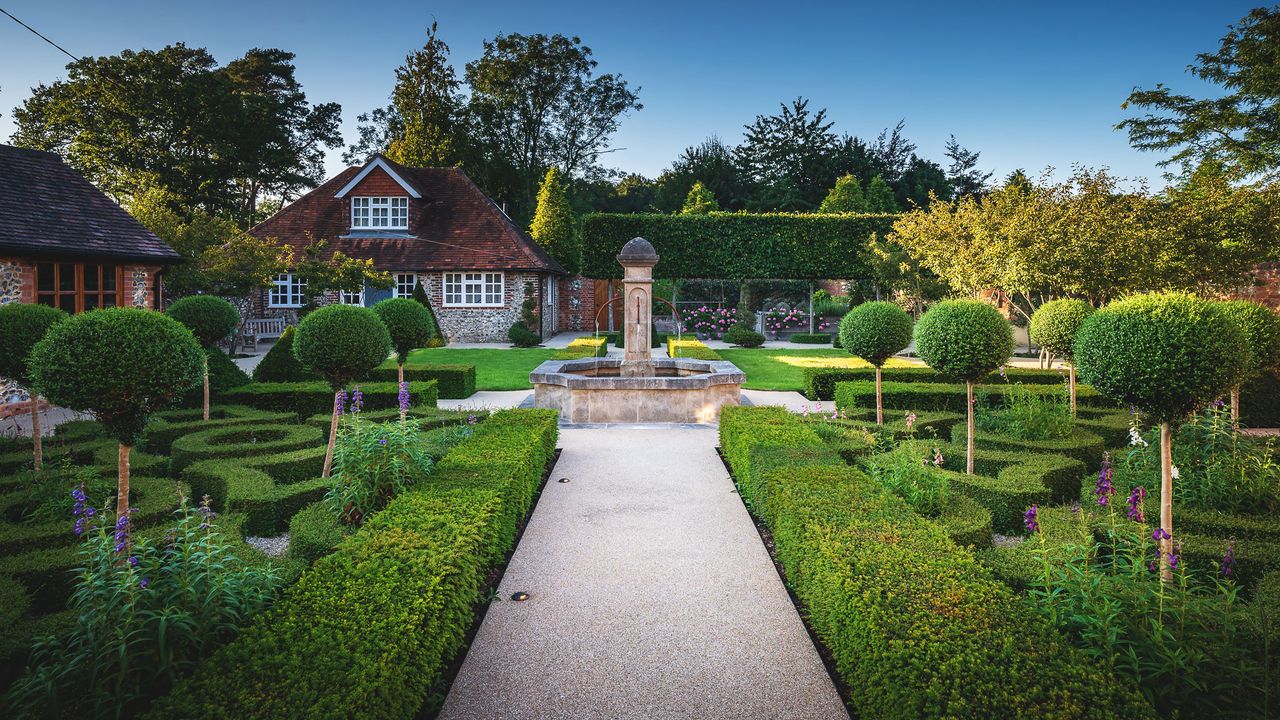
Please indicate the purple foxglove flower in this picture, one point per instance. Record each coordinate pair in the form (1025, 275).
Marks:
(340, 401)
(143, 583)
(1229, 561)
(1135, 503)
(357, 400)
(1103, 489)
(1031, 518)
(1159, 534)
(404, 397)
(133, 560)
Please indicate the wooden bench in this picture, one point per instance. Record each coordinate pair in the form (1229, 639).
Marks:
(254, 329)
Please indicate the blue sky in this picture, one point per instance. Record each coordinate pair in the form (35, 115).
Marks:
(1029, 84)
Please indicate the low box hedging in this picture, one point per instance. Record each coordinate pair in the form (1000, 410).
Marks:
(692, 349)
(966, 521)
(820, 382)
(314, 531)
(428, 418)
(241, 441)
(860, 394)
(1008, 482)
(369, 629)
(452, 381)
(155, 499)
(1082, 445)
(583, 347)
(267, 489)
(811, 338)
(305, 399)
(164, 428)
(916, 627)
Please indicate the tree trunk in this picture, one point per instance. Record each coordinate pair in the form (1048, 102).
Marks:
(968, 463)
(37, 444)
(1166, 500)
(879, 402)
(333, 435)
(400, 372)
(1071, 386)
(1235, 406)
(206, 386)
(122, 485)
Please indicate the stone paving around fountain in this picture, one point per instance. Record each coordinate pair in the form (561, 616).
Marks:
(651, 595)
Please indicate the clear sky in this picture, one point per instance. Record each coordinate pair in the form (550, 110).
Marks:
(1029, 84)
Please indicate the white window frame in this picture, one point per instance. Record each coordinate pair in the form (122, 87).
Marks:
(380, 213)
(475, 289)
(351, 298)
(286, 291)
(399, 289)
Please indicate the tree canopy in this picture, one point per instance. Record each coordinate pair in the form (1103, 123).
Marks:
(552, 226)
(699, 201)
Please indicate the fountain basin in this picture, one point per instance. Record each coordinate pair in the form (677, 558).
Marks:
(592, 390)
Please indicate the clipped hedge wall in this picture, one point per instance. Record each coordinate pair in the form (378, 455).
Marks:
(584, 347)
(917, 628)
(241, 441)
(860, 394)
(313, 398)
(820, 382)
(452, 381)
(812, 338)
(266, 489)
(734, 246)
(692, 349)
(369, 629)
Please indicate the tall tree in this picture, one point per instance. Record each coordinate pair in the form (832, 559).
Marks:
(1240, 126)
(217, 138)
(880, 198)
(922, 181)
(845, 197)
(963, 173)
(700, 201)
(190, 235)
(891, 153)
(795, 147)
(536, 102)
(552, 226)
(711, 163)
(425, 123)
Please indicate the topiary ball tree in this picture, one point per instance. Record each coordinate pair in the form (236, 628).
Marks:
(121, 364)
(210, 319)
(1168, 355)
(409, 325)
(1261, 329)
(1054, 326)
(875, 332)
(966, 339)
(342, 343)
(21, 327)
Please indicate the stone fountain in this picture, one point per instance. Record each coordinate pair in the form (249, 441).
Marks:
(636, 388)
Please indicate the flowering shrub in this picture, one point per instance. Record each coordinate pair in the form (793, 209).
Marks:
(1185, 642)
(1029, 415)
(712, 322)
(372, 462)
(913, 476)
(145, 613)
(782, 319)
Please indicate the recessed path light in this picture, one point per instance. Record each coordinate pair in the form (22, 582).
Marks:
(520, 596)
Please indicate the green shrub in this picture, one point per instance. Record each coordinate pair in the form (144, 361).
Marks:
(966, 521)
(280, 365)
(342, 343)
(1260, 400)
(912, 476)
(691, 349)
(915, 626)
(861, 395)
(211, 319)
(437, 338)
(1029, 414)
(168, 426)
(1054, 325)
(408, 323)
(374, 624)
(811, 339)
(820, 382)
(224, 374)
(743, 337)
(21, 327)
(965, 339)
(428, 418)
(241, 441)
(1261, 329)
(584, 347)
(314, 531)
(1167, 354)
(305, 399)
(452, 381)
(266, 489)
(875, 331)
(521, 336)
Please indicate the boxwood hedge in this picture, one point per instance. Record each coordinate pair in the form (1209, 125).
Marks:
(860, 394)
(820, 382)
(452, 381)
(241, 441)
(311, 398)
(915, 626)
(267, 489)
(369, 629)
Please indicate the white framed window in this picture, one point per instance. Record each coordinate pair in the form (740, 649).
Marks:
(390, 213)
(286, 291)
(404, 284)
(474, 289)
(346, 297)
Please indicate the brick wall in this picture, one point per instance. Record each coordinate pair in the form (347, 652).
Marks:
(480, 324)
(577, 301)
(1267, 289)
(17, 281)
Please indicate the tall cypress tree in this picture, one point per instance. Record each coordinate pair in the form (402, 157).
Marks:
(880, 197)
(552, 226)
(845, 197)
(699, 201)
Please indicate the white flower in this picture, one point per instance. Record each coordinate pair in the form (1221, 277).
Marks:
(1135, 438)
(1175, 472)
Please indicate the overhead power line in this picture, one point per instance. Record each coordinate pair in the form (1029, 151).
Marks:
(38, 34)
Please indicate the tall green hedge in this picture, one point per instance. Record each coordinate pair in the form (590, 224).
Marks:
(735, 245)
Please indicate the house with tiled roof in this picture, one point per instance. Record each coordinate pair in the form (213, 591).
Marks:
(64, 243)
(432, 226)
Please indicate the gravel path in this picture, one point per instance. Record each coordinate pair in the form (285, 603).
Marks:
(650, 596)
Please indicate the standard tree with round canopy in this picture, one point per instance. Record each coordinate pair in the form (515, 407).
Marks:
(875, 332)
(21, 327)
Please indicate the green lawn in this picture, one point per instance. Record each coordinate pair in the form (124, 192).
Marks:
(773, 369)
(496, 369)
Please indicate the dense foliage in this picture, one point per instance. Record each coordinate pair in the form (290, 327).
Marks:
(341, 342)
(408, 323)
(1167, 354)
(21, 327)
(280, 364)
(735, 245)
(1054, 324)
(1261, 329)
(553, 223)
(211, 319)
(966, 339)
(875, 331)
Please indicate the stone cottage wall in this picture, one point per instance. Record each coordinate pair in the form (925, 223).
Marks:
(480, 324)
(577, 300)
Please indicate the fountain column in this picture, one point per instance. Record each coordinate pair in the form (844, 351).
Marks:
(637, 259)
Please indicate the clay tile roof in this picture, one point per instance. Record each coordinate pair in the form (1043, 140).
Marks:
(46, 208)
(455, 226)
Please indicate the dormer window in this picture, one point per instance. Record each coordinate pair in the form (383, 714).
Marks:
(382, 213)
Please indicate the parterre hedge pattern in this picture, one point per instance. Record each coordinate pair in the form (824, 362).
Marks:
(311, 398)
(820, 382)
(916, 626)
(368, 630)
(735, 246)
